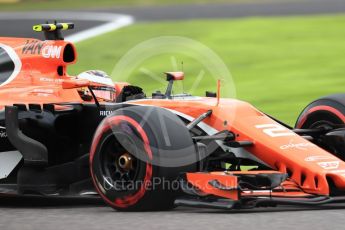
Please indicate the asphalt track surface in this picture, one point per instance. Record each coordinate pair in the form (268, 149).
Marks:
(270, 8)
(67, 214)
(43, 213)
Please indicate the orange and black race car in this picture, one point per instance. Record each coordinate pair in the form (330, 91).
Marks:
(87, 136)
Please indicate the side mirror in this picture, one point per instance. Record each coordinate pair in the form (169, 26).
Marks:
(175, 76)
(171, 77)
(72, 84)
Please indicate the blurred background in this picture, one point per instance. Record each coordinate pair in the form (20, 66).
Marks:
(282, 54)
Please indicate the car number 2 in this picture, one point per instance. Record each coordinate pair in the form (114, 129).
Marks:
(275, 130)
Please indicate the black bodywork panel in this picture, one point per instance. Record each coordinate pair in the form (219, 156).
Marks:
(67, 135)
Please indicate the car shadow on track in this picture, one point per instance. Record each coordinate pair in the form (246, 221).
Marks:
(74, 202)
(263, 210)
(39, 201)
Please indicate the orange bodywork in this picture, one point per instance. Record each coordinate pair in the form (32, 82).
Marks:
(309, 165)
(40, 74)
(36, 76)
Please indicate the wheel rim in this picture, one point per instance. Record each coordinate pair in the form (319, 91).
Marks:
(119, 164)
(328, 125)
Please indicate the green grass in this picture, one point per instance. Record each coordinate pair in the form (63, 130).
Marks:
(278, 64)
(85, 4)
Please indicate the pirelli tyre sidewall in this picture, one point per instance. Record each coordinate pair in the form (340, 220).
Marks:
(330, 109)
(325, 112)
(155, 185)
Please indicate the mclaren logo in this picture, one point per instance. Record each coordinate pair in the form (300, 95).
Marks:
(3, 133)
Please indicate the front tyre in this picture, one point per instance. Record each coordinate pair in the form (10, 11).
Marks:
(136, 156)
(328, 113)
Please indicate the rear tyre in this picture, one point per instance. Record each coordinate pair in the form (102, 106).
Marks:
(136, 156)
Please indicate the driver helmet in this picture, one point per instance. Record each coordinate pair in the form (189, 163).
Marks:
(104, 88)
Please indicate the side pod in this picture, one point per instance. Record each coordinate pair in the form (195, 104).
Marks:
(34, 152)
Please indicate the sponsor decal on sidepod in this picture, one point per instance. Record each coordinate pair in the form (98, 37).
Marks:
(35, 47)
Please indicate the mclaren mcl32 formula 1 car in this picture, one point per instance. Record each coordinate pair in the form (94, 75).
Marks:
(85, 136)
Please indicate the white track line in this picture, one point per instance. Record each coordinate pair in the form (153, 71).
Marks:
(111, 21)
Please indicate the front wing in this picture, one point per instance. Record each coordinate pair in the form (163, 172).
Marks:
(246, 189)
